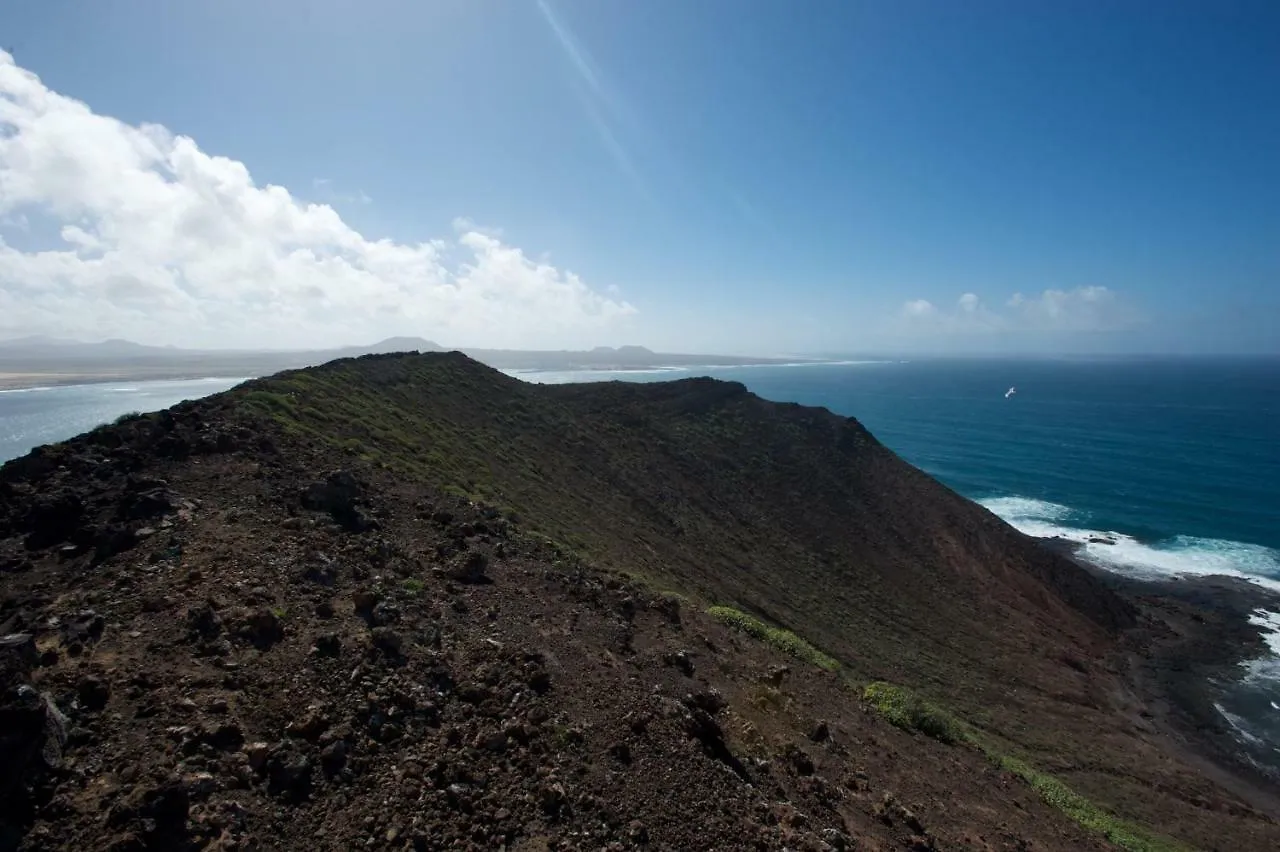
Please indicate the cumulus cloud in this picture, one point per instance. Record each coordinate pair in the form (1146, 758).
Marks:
(147, 236)
(1091, 308)
(1084, 309)
(919, 308)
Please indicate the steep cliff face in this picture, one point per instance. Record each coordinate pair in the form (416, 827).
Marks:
(409, 601)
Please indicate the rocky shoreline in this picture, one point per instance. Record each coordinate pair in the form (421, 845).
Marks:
(1190, 649)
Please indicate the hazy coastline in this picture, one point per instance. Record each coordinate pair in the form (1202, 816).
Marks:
(37, 362)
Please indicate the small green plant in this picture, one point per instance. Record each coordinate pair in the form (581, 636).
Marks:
(413, 585)
(783, 640)
(1125, 834)
(902, 707)
(279, 612)
(126, 417)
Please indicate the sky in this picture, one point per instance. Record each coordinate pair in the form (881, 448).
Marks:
(738, 176)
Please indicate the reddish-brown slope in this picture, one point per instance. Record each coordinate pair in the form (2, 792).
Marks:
(792, 513)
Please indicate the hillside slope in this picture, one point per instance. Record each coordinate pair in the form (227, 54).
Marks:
(465, 640)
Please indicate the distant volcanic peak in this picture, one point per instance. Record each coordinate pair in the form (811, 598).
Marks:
(406, 344)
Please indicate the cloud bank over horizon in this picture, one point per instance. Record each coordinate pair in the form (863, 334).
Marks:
(1087, 309)
(112, 230)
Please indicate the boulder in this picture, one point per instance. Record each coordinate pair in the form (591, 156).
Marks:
(468, 567)
(51, 518)
(340, 495)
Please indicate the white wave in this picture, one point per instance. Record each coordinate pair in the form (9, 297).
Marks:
(1264, 671)
(28, 390)
(1270, 622)
(1177, 556)
(1027, 509)
(122, 390)
(1240, 726)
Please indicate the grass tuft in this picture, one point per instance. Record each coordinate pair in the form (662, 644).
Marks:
(783, 640)
(902, 707)
(413, 585)
(1125, 834)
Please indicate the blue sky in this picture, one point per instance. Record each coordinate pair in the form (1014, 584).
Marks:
(721, 175)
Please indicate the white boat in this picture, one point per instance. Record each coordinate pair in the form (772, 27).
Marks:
(1010, 392)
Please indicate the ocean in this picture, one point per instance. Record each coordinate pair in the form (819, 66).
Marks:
(30, 417)
(1158, 467)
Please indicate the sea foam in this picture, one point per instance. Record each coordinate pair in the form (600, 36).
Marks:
(1246, 705)
(1175, 556)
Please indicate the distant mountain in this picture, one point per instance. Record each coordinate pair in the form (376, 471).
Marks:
(391, 344)
(626, 351)
(61, 345)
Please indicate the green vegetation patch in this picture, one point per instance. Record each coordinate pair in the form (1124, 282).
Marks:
(783, 640)
(902, 707)
(1125, 834)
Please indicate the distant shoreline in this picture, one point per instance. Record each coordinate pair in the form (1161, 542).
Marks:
(27, 379)
(31, 381)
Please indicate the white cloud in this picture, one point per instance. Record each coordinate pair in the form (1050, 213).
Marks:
(919, 308)
(1091, 308)
(161, 241)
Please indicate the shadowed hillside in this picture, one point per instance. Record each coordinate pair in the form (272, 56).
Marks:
(712, 604)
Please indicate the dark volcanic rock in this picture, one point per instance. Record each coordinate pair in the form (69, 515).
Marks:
(340, 495)
(52, 518)
(470, 566)
(93, 693)
(33, 734)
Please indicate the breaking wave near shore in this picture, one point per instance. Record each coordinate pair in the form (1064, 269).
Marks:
(1251, 705)
(1176, 555)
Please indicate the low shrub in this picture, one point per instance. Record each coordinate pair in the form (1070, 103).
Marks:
(1125, 834)
(783, 640)
(902, 707)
